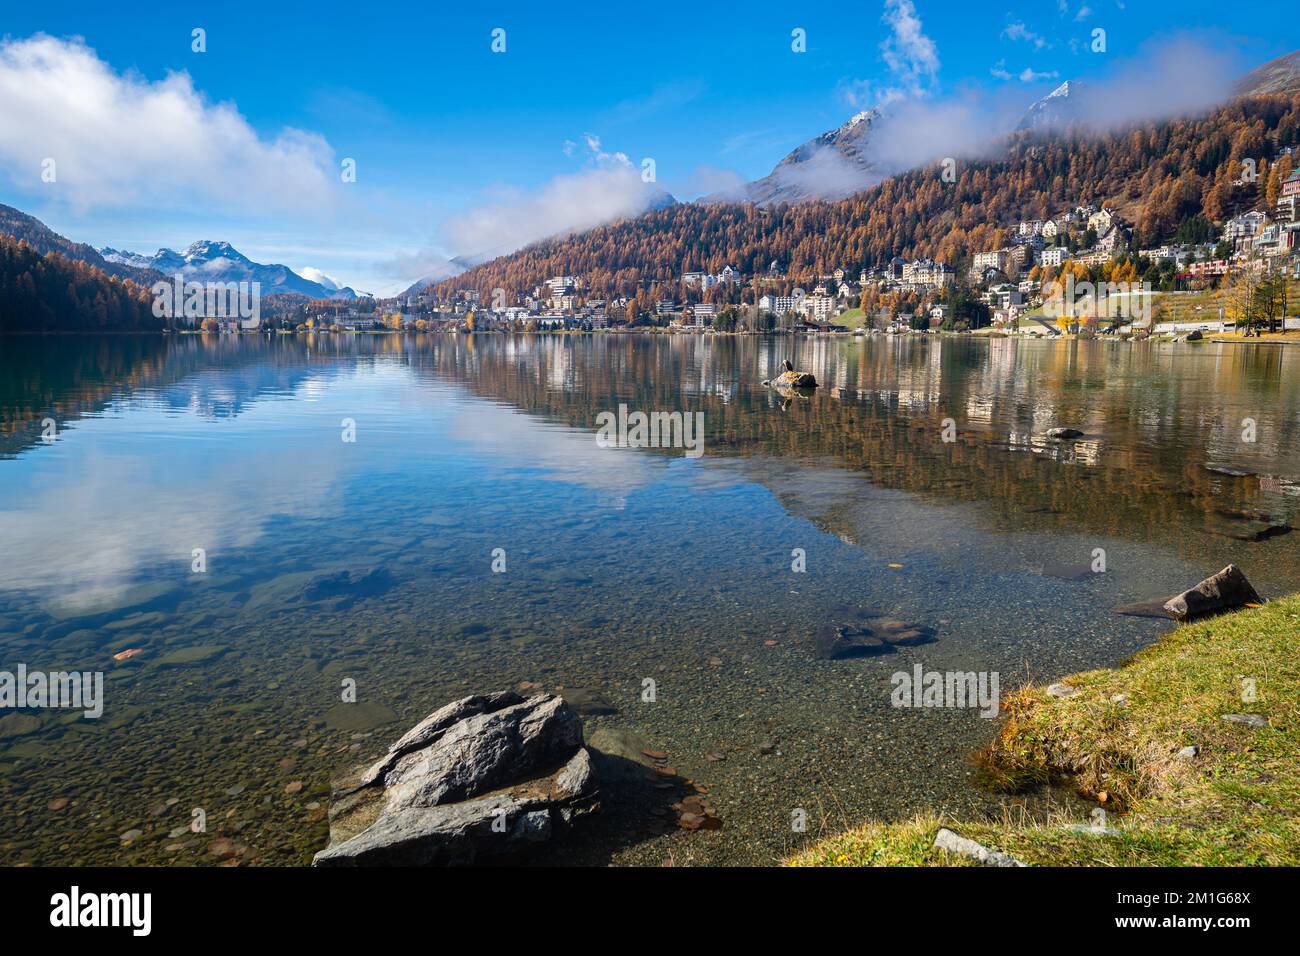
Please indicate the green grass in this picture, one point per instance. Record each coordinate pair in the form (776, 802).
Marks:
(853, 319)
(1203, 306)
(1237, 803)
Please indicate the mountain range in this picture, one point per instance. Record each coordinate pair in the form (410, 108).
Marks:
(204, 261)
(208, 261)
(19, 225)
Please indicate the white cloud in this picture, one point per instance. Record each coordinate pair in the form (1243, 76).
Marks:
(1170, 78)
(1029, 75)
(712, 182)
(1019, 32)
(421, 268)
(315, 275)
(910, 55)
(1174, 77)
(610, 187)
(916, 132)
(118, 139)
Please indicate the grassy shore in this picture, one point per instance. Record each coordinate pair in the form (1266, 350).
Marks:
(1116, 741)
(1291, 337)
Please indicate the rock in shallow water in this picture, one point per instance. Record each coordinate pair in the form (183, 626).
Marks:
(1225, 591)
(793, 380)
(484, 776)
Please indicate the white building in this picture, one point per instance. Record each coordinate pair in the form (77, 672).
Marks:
(1100, 221)
(819, 307)
(999, 259)
(1239, 230)
(927, 272)
(780, 304)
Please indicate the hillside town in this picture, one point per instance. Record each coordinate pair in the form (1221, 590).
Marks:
(1018, 287)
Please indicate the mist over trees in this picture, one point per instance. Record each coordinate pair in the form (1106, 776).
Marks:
(1170, 179)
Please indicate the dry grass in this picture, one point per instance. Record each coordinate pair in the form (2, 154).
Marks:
(1236, 803)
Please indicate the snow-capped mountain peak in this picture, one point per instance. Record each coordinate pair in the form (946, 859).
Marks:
(213, 261)
(1061, 107)
(834, 164)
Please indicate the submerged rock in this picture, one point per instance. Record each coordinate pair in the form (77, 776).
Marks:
(358, 717)
(345, 588)
(191, 656)
(840, 641)
(1225, 591)
(588, 702)
(484, 776)
(871, 635)
(1155, 607)
(18, 724)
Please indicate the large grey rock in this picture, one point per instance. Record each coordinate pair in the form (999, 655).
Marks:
(1257, 721)
(1225, 591)
(954, 843)
(484, 776)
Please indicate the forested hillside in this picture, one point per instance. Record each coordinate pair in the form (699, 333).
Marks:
(19, 225)
(52, 293)
(1158, 176)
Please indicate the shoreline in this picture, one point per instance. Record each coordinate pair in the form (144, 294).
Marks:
(1184, 766)
(1282, 338)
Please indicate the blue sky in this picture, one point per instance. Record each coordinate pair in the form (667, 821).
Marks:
(455, 145)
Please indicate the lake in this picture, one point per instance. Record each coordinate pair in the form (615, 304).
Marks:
(269, 520)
